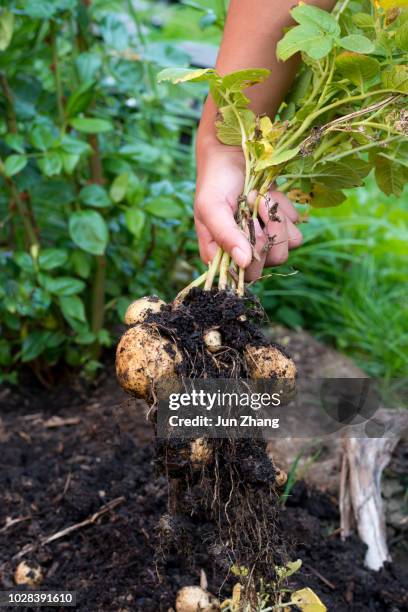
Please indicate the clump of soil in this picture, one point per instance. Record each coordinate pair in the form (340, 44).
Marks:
(236, 318)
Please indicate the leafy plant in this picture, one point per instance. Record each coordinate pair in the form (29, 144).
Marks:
(87, 144)
(345, 115)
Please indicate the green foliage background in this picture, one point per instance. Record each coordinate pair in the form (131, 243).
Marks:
(96, 192)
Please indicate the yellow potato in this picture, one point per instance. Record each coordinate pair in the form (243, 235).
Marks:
(139, 309)
(266, 362)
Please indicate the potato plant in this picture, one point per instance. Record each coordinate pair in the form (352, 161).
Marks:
(345, 116)
(86, 149)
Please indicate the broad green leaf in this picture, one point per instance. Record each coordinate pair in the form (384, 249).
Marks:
(325, 197)
(45, 9)
(363, 20)
(119, 187)
(69, 162)
(182, 75)
(312, 15)
(135, 220)
(24, 261)
(61, 285)
(236, 81)
(228, 126)
(308, 38)
(307, 601)
(391, 177)
(81, 263)
(6, 29)
(277, 159)
(357, 43)
(50, 164)
(15, 142)
(5, 352)
(87, 65)
(42, 137)
(52, 258)
(72, 307)
(401, 37)
(89, 231)
(33, 345)
(164, 207)
(396, 78)
(89, 125)
(95, 196)
(80, 99)
(344, 174)
(357, 68)
(14, 164)
(74, 146)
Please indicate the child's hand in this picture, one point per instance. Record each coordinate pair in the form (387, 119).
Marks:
(220, 178)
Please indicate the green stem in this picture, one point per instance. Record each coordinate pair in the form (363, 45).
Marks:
(223, 279)
(10, 112)
(213, 269)
(57, 73)
(241, 282)
(196, 283)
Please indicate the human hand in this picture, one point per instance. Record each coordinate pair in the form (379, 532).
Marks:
(220, 179)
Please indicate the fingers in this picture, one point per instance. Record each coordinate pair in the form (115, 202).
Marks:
(284, 205)
(282, 229)
(219, 227)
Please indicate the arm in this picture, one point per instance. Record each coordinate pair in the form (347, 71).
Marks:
(252, 31)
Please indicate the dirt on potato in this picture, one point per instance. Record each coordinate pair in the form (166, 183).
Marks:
(67, 453)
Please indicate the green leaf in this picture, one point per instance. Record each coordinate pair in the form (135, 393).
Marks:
(24, 261)
(182, 75)
(15, 142)
(75, 146)
(135, 220)
(119, 187)
(325, 197)
(5, 353)
(69, 162)
(52, 258)
(308, 38)
(87, 65)
(391, 177)
(88, 125)
(61, 285)
(277, 159)
(6, 29)
(33, 345)
(344, 174)
(228, 127)
(396, 78)
(14, 164)
(50, 164)
(42, 137)
(89, 231)
(80, 99)
(95, 196)
(241, 79)
(312, 15)
(357, 43)
(81, 263)
(401, 37)
(357, 68)
(45, 9)
(363, 20)
(72, 307)
(165, 208)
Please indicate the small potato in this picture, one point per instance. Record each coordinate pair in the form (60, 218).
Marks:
(201, 453)
(212, 340)
(28, 574)
(143, 357)
(138, 310)
(266, 362)
(195, 599)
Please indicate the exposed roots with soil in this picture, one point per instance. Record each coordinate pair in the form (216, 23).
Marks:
(222, 489)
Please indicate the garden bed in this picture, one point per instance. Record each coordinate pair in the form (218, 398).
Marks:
(73, 452)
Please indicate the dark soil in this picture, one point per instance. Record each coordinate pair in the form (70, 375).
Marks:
(56, 473)
(237, 319)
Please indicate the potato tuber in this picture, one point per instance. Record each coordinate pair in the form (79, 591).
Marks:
(138, 310)
(195, 599)
(266, 362)
(30, 575)
(143, 356)
(212, 340)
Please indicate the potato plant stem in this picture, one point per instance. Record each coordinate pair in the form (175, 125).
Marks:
(223, 279)
(241, 282)
(213, 269)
